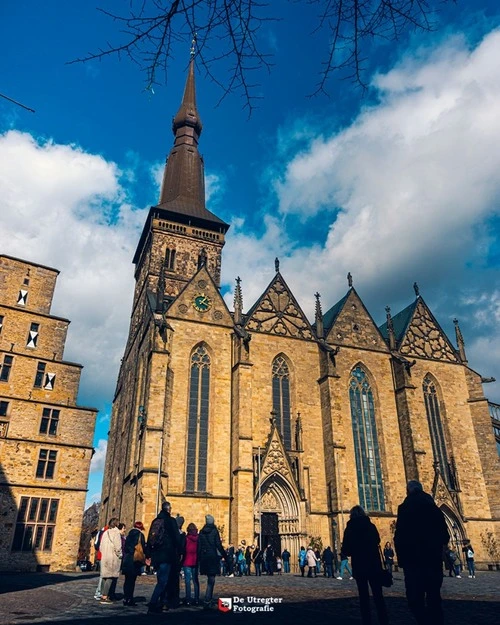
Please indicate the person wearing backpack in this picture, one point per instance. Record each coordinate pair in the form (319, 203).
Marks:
(469, 558)
(162, 546)
(133, 560)
(302, 560)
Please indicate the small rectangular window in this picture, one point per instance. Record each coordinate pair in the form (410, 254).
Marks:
(4, 408)
(6, 367)
(4, 428)
(50, 380)
(40, 374)
(50, 421)
(33, 335)
(1, 323)
(46, 464)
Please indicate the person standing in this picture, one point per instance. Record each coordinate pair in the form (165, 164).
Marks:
(311, 562)
(248, 559)
(285, 556)
(210, 550)
(258, 558)
(111, 558)
(270, 559)
(302, 560)
(133, 560)
(389, 556)
(162, 547)
(190, 565)
(98, 556)
(362, 543)
(172, 592)
(469, 558)
(419, 540)
(328, 562)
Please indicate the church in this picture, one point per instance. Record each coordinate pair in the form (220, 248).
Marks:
(274, 424)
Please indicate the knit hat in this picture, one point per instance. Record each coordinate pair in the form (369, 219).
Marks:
(180, 521)
(209, 519)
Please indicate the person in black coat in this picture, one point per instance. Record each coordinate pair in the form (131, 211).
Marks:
(420, 537)
(162, 547)
(362, 543)
(133, 560)
(210, 551)
(328, 562)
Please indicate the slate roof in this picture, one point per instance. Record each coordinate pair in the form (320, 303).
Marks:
(331, 315)
(400, 323)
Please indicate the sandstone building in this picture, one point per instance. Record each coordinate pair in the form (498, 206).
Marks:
(274, 425)
(45, 438)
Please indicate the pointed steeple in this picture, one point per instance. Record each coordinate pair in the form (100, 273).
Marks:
(320, 333)
(390, 329)
(238, 303)
(460, 342)
(183, 187)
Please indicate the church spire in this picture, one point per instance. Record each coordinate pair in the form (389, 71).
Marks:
(319, 317)
(238, 302)
(183, 186)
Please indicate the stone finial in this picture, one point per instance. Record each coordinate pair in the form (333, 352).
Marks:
(390, 329)
(319, 317)
(272, 419)
(416, 289)
(238, 302)
(276, 264)
(460, 342)
(349, 279)
(202, 258)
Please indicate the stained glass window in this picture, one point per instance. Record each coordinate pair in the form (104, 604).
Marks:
(281, 399)
(199, 403)
(366, 449)
(436, 427)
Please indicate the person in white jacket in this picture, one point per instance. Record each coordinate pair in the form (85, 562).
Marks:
(311, 562)
(111, 559)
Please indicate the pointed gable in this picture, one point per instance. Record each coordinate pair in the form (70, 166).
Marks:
(276, 460)
(350, 324)
(277, 312)
(201, 292)
(424, 337)
(400, 323)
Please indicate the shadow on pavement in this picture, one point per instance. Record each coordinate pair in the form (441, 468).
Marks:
(15, 582)
(320, 612)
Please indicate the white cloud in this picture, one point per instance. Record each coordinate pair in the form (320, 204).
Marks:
(99, 457)
(409, 184)
(66, 208)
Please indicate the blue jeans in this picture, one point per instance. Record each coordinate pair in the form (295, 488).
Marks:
(161, 583)
(343, 566)
(191, 573)
(471, 566)
(258, 568)
(329, 570)
(286, 566)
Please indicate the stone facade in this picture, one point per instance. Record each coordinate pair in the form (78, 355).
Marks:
(45, 438)
(270, 400)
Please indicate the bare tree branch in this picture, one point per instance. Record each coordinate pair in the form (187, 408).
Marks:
(229, 36)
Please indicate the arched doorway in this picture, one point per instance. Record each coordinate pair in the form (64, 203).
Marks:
(455, 529)
(277, 516)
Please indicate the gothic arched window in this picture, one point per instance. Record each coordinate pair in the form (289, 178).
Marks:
(281, 399)
(197, 439)
(435, 426)
(366, 449)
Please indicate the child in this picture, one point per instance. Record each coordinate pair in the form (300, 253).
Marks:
(279, 565)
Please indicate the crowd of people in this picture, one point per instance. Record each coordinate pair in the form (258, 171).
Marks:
(174, 555)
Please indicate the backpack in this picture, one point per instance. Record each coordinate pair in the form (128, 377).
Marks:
(156, 536)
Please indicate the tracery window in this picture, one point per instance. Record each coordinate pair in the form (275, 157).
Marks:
(366, 449)
(281, 399)
(199, 404)
(170, 259)
(436, 427)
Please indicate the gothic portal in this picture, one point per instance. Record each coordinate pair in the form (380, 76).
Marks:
(274, 425)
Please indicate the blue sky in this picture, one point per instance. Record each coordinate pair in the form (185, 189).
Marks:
(396, 185)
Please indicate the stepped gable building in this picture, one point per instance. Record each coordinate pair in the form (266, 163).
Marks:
(45, 438)
(274, 425)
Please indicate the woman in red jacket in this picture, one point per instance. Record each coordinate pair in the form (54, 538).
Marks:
(190, 565)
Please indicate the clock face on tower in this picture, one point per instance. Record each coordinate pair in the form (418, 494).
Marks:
(202, 302)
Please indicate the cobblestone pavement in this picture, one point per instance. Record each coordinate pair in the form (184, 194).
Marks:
(67, 599)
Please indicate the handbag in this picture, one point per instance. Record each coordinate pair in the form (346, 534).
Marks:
(385, 574)
(139, 552)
